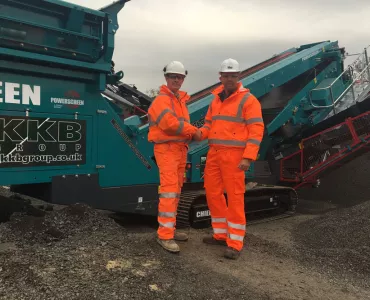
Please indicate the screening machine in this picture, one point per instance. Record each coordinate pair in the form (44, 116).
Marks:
(72, 131)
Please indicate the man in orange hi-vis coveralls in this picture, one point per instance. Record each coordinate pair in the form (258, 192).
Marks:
(234, 128)
(170, 131)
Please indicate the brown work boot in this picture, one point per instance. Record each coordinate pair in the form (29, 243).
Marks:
(231, 253)
(169, 245)
(212, 241)
(181, 236)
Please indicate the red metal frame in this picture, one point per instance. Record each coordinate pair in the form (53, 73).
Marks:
(282, 167)
(309, 176)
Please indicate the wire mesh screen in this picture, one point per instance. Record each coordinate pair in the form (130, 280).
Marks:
(198, 123)
(326, 147)
(291, 167)
(362, 126)
(321, 147)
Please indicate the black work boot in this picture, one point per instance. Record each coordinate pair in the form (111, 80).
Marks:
(231, 253)
(212, 241)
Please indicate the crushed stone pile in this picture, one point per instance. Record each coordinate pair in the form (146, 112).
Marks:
(338, 240)
(79, 253)
(55, 225)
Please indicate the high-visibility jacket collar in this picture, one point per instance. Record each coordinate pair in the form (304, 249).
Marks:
(221, 89)
(181, 95)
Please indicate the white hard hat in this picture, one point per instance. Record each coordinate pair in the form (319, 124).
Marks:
(175, 67)
(229, 65)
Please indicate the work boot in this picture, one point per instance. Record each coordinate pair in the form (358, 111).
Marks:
(212, 241)
(231, 253)
(169, 245)
(181, 236)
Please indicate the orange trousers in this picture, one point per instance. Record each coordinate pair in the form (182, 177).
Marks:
(222, 173)
(171, 161)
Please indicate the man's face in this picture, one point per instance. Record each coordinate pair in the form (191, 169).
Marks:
(230, 80)
(174, 81)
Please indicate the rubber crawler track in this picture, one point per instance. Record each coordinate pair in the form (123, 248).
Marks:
(187, 199)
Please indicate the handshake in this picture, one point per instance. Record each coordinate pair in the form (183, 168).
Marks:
(197, 136)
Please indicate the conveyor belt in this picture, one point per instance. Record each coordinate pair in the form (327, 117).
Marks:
(326, 150)
(201, 94)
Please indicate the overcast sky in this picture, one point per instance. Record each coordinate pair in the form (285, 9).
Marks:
(202, 33)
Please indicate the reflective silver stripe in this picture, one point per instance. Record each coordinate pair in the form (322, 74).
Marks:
(236, 226)
(226, 142)
(253, 120)
(241, 104)
(155, 99)
(207, 121)
(183, 119)
(228, 118)
(169, 195)
(253, 141)
(173, 106)
(181, 127)
(219, 220)
(237, 119)
(171, 141)
(167, 225)
(219, 230)
(167, 110)
(163, 113)
(235, 237)
(207, 127)
(167, 214)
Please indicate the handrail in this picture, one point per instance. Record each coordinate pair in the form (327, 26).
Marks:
(353, 81)
(365, 69)
(336, 79)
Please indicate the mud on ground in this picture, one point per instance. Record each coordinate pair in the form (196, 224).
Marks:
(79, 253)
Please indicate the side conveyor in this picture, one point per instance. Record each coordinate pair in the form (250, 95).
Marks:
(201, 94)
(327, 150)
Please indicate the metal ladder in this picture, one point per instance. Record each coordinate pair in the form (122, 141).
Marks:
(359, 87)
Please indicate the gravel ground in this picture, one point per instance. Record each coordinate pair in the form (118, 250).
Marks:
(78, 253)
(339, 241)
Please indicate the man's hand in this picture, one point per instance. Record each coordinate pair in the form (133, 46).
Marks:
(244, 164)
(197, 136)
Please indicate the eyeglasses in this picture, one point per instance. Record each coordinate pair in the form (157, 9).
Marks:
(233, 76)
(176, 76)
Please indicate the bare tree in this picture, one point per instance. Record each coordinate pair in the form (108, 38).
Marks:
(152, 92)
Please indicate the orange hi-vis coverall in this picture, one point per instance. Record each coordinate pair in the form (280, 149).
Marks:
(170, 131)
(234, 128)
